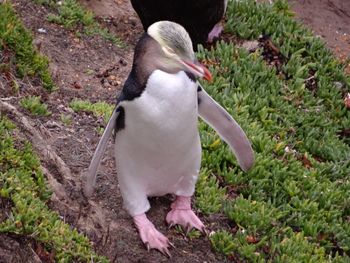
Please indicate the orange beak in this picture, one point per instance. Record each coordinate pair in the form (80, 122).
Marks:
(199, 70)
(207, 74)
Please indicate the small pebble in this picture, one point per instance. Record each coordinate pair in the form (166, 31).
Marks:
(42, 30)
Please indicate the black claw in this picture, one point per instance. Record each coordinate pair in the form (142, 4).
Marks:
(147, 246)
(188, 229)
(172, 224)
(205, 231)
(166, 252)
(171, 244)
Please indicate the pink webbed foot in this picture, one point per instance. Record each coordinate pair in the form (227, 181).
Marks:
(215, 32)
(150, 236)
(182, 214)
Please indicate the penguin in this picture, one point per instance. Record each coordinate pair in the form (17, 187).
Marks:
(201, 19)
(157, 143)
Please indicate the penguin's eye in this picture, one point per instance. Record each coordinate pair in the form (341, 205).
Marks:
(169, 51)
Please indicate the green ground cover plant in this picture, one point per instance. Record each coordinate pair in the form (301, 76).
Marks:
(23, 183)
(34, 105)
(66, 119)
(294, 204)
(98, 109)
(15, 38)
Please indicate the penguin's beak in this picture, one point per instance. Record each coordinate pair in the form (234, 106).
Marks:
(198, 70)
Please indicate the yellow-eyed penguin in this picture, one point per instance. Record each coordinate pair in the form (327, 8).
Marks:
(201, 19)
(158, 148)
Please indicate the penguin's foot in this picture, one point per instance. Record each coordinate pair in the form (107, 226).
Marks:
(182, 214)
(150, 236)
(215, 32)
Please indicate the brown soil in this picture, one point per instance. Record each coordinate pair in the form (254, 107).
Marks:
(329, 19)
(94, 69)
(15, 249)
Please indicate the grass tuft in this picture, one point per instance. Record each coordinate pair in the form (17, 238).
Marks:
(35, 106)
(66, 119)
(70, 14)
(99, 109)
(14, 37)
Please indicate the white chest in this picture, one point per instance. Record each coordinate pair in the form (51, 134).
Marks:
(159, 149)
(168, 106)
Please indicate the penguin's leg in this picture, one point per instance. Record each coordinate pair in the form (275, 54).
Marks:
(150, 236)
(182, 214)
(215, 32)
(137, 204)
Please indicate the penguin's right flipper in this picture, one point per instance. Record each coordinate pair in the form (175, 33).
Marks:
(218, 118)
(90, 177)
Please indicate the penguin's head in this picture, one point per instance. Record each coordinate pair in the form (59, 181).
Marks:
(176, 45)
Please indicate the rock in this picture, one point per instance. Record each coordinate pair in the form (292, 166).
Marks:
(52, 124)
(123, 62)
(251, 46)
(42, 30)
(77, 85)
(338, 85)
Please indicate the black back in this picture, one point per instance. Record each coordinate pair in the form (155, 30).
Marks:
(135, 84)
(198, 17)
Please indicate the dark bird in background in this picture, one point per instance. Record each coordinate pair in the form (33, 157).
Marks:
(200, 18)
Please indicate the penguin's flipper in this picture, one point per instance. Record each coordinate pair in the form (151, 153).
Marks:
(90, 177)
(228, 129)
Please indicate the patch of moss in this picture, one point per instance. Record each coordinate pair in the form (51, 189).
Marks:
(15, 37)
(99, 109)
(35, 106)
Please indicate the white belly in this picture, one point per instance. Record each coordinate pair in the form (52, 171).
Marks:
(158, 151)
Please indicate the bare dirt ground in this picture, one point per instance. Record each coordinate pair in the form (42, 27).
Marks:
(329, 19)
(93, 69)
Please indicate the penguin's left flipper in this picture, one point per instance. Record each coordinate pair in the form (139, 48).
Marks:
(90, 176)
(228, 129)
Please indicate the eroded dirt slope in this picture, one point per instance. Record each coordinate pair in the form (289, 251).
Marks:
(329, 19)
